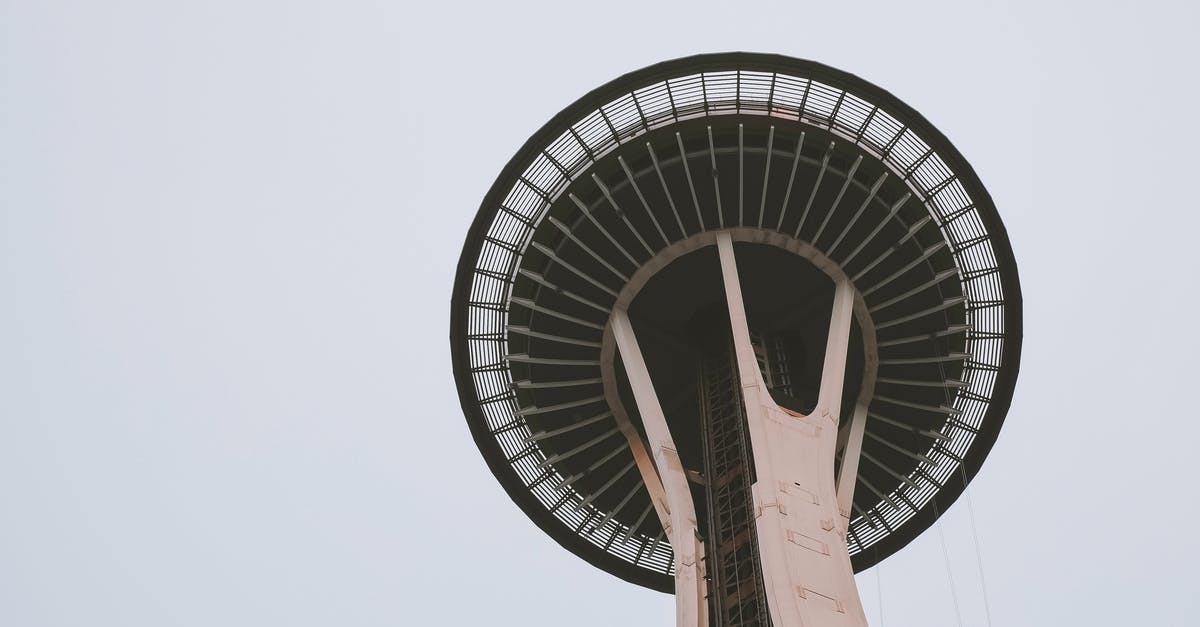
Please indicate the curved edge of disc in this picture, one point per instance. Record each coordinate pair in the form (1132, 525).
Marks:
(1006, 378)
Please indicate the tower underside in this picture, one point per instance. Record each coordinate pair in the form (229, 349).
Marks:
(690, 438)
(758, 523)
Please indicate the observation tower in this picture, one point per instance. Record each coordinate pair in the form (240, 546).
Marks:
(736, 326)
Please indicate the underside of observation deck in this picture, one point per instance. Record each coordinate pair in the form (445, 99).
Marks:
(790, 149)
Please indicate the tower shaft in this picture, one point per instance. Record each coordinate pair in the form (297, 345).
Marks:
(776, 550)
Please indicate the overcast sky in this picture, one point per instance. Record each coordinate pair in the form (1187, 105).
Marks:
(228, 232)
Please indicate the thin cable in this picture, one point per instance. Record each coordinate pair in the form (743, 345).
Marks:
(978, 556)
(949, 572)
(879, 585)
(938, 521)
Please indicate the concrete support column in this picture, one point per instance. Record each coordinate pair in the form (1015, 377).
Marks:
(808, 577)
(691, 599)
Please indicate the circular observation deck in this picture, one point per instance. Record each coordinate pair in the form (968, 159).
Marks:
(784, 153)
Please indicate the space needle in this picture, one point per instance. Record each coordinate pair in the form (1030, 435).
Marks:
(734, 327)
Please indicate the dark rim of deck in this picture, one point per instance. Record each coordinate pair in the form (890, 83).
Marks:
(783, 90)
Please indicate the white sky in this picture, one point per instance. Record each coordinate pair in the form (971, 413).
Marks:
(228, 232)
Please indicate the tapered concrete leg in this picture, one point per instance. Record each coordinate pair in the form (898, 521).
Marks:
(691, 603)
(808, 577)
(851, 454)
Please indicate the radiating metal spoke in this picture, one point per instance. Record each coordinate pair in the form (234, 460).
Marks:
(645, 205)
(637, 487)
(527, 332)
(857, 540)
(534, 437)
(912, 230)
(926, 254)
(937, 278)
(607, 484)
(762, 203)
(666, 191)
(566, 482)
(621, 213)
(884, 497)
(657, 541)
(938, 409)
(530, 411)
(691, 186)
(816, 186)
(946, 304)
(541, 280)
(637, 523)
(741, 175)
(603, 231)
(899, 449)
(883, 521)
(522, 358)
(621, 448)
(558, 457)
(787, 194)
(865, 516)
(879, 227)
(953, 329)
(895, 475)
(545, 250)
(532, 306)
(712, 155)
(858, 214)
(584, 247)
(937, 435)
(837, 201)
(947, 383)
(538, 385)
(932, 359)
